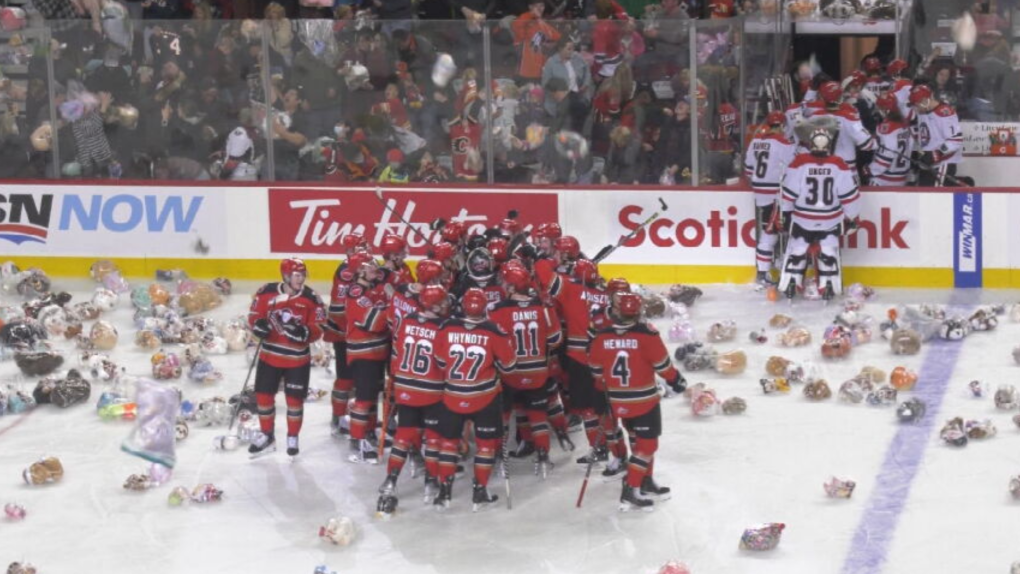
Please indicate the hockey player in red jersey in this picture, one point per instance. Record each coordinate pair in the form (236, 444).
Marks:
(819, 192)
(286, 317)
(418, 393)
(891, 164)
(368, 348)
(480, 272)
(471, 350)
(535, 333)
(851, 135)
(334, 331)
(626, 356)
(939, 138)
(394, 252)
(446, 254)
(768, 154)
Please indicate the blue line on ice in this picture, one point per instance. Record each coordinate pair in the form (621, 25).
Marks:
(873, 537)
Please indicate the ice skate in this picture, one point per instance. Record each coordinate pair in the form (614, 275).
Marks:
(431, 489)
(442, 500)
(389, 486)
(651, 490)
(614, 467)
(386, 506)
(829, 292)
(481, 497)
(524, 449)
(630, 499)
(292, 446)
(340, 427)
(791, 290)
(364, 454)
(599, 453)
(564, 440)
(543, 466)
(574, 423)
(262, 445)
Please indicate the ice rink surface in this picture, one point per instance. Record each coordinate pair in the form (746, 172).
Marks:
(920, 506)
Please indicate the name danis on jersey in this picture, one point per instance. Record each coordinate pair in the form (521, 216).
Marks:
(526, 315)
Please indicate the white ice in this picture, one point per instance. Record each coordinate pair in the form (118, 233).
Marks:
(727, 473)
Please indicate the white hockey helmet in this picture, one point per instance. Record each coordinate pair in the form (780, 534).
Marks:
(239, 143)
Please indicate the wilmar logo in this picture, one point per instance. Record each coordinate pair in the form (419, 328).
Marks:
(967, 265)
(314, 220)
(25, 217)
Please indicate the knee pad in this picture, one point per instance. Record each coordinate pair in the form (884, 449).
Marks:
(646, 446)
(405, 436)
(488, 446)
(796, 263)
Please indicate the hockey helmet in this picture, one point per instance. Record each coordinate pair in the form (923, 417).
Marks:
(569, 246)
(480, 264)
(435, 299)
(498, 247)
(817, 133)
(352, 242)
(776, 118)
(618, 285)
(516, 277)
(393, 245)
(453, 232)
(474, 303)
(443, 251)
(586, 271)
(887, 102)
(358, 262)
(855, 78)
(548, 231)
(629, 307)
(872, 66)
(830, 92)
(920, 94)
(510, 227)
(897, 67)
(292, 265)
(429, 270)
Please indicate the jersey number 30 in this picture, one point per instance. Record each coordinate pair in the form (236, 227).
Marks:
(827, 186)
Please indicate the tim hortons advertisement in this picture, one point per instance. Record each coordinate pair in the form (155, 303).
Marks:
(718, 228)
(314, 220)
(118, 221)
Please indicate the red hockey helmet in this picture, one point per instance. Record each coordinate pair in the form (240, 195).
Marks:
(510, 227)
(919, 93)
(830, 92)
(896, 67)
(474, 303)
(352, 241)
(517, 277)
(856, 78)
(453, 232)
(628, 307)
(498, 248)
(393, 244)
(292, 265)
(618, 285)
(568, 246)
(887, 102)
(443, 251)
(434, 298)
(429, 270)
(548, 231)
(872, 66)
(776, 118)
(586, 271)
(357, 261)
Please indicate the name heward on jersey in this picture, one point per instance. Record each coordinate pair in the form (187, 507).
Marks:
(531, 315)
(468, 338)
(620, 344)
(819, 171)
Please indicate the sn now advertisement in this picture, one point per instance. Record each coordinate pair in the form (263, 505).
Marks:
(113, 221)
(314, 220)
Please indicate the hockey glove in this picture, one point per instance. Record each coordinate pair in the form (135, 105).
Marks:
(296, 332)
(261, 328)
(850, 226)
(679, 384)
(528, 251)
(787, 221)
(928, 159)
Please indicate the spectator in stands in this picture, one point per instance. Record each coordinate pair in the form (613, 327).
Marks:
(624, 163)
(281, 32)
(669, 27)
(429, 171)
(532, 37)
(395, 170)
(567, 65)
(416, 51)
(289, 129)
(670, 141)
(944, 84)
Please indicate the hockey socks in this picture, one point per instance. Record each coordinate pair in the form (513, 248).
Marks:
(341, 395)
(267, 412)
(295, 415)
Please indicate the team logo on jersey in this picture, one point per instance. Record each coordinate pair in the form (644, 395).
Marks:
(461, 145)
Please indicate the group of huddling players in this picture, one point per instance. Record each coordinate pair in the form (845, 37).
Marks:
(805, 163)
(495, 324)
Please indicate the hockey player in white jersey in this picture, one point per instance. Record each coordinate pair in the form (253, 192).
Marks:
(851, 133)
(938, 135)
(765, 160)
(900, 84)
(819, 192)
(891, 164)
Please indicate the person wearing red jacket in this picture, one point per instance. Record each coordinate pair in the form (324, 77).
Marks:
(418, 392)
(368, 348)
(471, 351)
(286, 318)
(334, 331)
(626, 356)
(536, 334)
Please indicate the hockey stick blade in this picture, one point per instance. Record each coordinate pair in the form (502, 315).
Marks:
(663, 205)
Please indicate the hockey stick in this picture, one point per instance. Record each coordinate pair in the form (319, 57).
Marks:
(506, 466)
(378, 195)
(591, 457)
(952, 180)
(251, 368)
(609, 249)
(387, 413)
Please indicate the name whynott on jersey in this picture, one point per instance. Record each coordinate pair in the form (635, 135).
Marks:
(819, 171)
(468, 338)
(613, 344)
(416, 331)
(531, 315)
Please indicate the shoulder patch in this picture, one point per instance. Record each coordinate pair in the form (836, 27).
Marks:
(364, 302)
(945, 111)
(355, 291)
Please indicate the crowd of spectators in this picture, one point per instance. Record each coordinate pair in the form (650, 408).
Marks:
(556, 91)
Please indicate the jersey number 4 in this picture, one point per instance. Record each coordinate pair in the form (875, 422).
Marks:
(474, 355)
(621, 369)
(826, 186)
(526, 336)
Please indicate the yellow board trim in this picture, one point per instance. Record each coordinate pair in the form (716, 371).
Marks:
(322, 270)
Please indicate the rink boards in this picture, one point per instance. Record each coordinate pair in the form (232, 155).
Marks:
(916, 237)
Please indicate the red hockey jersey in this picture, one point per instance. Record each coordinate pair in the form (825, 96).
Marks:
(535, 333)
(368, 332)
(577, 300)
(335, 327)
(403, 304)
(417, 377)
(627, 359)
(306, 308)
(470, 355)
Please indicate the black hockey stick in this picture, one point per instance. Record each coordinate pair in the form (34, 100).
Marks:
(378, 195)
(609, 249)
(952, 180)
(591, 455)
(240, 398)
(506, 466)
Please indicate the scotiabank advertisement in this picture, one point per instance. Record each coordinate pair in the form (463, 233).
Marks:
(313, 220)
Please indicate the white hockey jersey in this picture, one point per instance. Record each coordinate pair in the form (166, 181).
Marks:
(852, 134)
(891, 164)
(901, 89)
(939, 130)
(799, 112)
(765, 160)
(820, 192)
